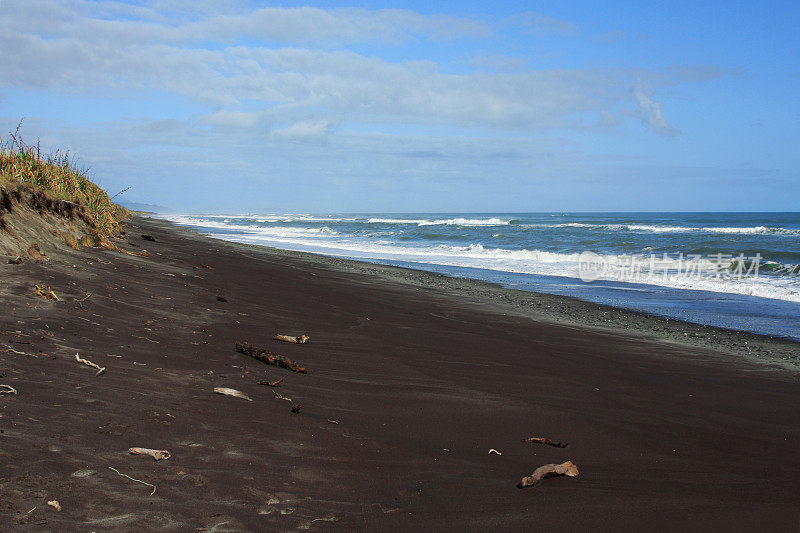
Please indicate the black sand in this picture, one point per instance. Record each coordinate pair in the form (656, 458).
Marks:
(679, 427)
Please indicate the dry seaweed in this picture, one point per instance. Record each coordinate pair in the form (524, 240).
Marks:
(542, 440)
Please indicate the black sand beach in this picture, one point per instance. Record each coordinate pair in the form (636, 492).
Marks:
(673, 426)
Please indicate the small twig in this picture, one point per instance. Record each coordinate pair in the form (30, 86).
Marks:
(15, 351)
(332, 421)
(100, 369)
(494, 451)
(11, 390)
(88, 294)
(134, 479)
(277, 395)
(126, 189)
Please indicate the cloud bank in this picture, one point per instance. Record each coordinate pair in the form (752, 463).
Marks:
(347, 97)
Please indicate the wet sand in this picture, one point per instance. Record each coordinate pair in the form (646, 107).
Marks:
(673, 426)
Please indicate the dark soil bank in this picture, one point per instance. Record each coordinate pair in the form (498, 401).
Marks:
(412, 379)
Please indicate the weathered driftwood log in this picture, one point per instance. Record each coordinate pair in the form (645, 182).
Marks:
(542, 440)
(302, 339)
(271, 383)
(155, 454)
(232, 392)
(551, 470)
(269, 358)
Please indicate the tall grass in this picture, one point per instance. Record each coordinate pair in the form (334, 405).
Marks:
(60, 176)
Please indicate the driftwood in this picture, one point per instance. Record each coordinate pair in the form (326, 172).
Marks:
(302, 339)
(542, 440)
(493, 451)
(155, 454)
(100, 369)
(269, 358)
(551, 470)
(232, 392)
(148, 237)
(271, 383)
(8, 389)
(54, 504)
(296, 408)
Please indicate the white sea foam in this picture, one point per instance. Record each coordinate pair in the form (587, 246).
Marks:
(442, 222)
(255, 229)
(655, 228)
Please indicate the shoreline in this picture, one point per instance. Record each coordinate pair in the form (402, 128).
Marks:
(412, 378)
(560, 309)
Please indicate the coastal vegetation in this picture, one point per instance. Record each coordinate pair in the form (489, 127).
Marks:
(59, 177)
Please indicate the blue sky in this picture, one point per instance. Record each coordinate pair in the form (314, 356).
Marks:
(378, 107)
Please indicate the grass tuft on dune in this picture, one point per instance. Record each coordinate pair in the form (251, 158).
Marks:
(58, 175)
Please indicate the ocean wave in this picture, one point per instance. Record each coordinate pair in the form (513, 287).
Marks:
(276, 231)
(442, 222)
(655, 228)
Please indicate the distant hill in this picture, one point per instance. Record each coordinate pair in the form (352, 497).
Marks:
(147, 208)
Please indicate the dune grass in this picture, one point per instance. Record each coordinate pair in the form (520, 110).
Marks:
(59, 176)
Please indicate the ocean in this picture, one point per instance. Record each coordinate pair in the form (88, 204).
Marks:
(732, 270)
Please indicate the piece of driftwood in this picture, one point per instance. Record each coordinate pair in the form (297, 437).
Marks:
(232, 392)
(155, 454)
(221, 299)
(302, 339)
(542, 440)
(148, 237)
(8, 389)
(100, 369)
(333, 421)
(493, 451)
(271, 383)
(54, 504)
(296, 408)
(15, 260)
(551, 470)
(270, 358)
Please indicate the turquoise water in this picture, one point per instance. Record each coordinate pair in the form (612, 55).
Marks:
(737, 270)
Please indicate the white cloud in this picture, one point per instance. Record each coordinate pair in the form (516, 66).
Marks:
(74, 46)
(651, 115)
